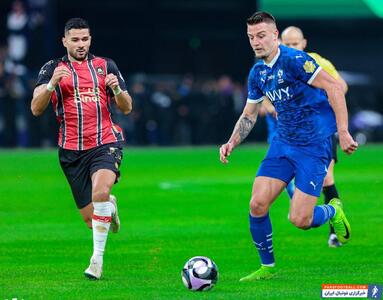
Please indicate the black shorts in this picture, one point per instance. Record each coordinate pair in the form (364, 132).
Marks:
(334, 154)
(78, 167)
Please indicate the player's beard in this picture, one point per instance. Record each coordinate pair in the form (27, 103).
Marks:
(260, 56)
(263, 55)
(78, 56)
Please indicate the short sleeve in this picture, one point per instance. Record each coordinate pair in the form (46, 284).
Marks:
(46, 72)
(305, 67)
(254, 94)
(112, 68)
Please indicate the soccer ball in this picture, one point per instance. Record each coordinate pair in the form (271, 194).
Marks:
(200, 273)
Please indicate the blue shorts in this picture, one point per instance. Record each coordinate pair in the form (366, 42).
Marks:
(271, 127)
(308, 164)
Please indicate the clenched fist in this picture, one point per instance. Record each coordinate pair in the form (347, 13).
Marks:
(225, 151)
(58, 74)
(111, 80)
(347, 143)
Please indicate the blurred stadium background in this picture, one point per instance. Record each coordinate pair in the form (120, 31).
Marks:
(185, 61)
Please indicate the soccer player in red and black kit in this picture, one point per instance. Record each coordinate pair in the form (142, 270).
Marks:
(82, 88)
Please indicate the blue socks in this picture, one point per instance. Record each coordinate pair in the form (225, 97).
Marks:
(322, 213)
(262, 233)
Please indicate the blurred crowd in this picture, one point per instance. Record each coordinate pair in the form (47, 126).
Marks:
(170, 110)
(167, 109)
(16, 81)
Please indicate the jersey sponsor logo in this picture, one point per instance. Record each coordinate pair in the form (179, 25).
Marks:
(278, 94)
(89, 95)
(309, 66)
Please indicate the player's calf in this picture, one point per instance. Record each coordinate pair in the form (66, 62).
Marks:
(88, 222)
(86, 213)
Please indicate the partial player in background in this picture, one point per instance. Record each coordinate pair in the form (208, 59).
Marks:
(82, 87)
(301, 148)
(293, 37)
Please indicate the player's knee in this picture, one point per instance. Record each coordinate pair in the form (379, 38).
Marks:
(302, 222)
(101, 194)
(258, 208)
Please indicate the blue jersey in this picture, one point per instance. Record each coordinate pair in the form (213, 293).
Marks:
(304, 113)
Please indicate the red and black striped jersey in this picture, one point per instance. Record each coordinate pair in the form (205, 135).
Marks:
(82, 102)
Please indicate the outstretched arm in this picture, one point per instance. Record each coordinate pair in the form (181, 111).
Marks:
(241, 130)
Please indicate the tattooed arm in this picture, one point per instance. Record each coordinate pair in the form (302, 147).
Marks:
(241, 130)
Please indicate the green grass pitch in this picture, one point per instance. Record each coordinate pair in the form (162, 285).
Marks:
(176, 203)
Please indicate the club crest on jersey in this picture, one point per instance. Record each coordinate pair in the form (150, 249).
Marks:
(309, 66)
(280, 76)
(100, 71)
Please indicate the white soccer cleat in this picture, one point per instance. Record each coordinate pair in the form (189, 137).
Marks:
(333, 241)
(94, 270)
(115, 224)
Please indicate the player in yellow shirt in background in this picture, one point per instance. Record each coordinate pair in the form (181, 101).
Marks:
(293, 37)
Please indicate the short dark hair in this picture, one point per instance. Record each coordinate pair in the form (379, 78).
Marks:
(261, 17)
(76, 23)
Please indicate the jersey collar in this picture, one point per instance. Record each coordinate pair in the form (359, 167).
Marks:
(271, 64)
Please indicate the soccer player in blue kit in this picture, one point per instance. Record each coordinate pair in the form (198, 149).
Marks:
(310, 106)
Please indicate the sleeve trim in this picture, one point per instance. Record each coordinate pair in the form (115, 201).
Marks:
(255, 101)
(314, 75)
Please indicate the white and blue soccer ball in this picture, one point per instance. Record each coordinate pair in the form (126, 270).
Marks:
(200, 273)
